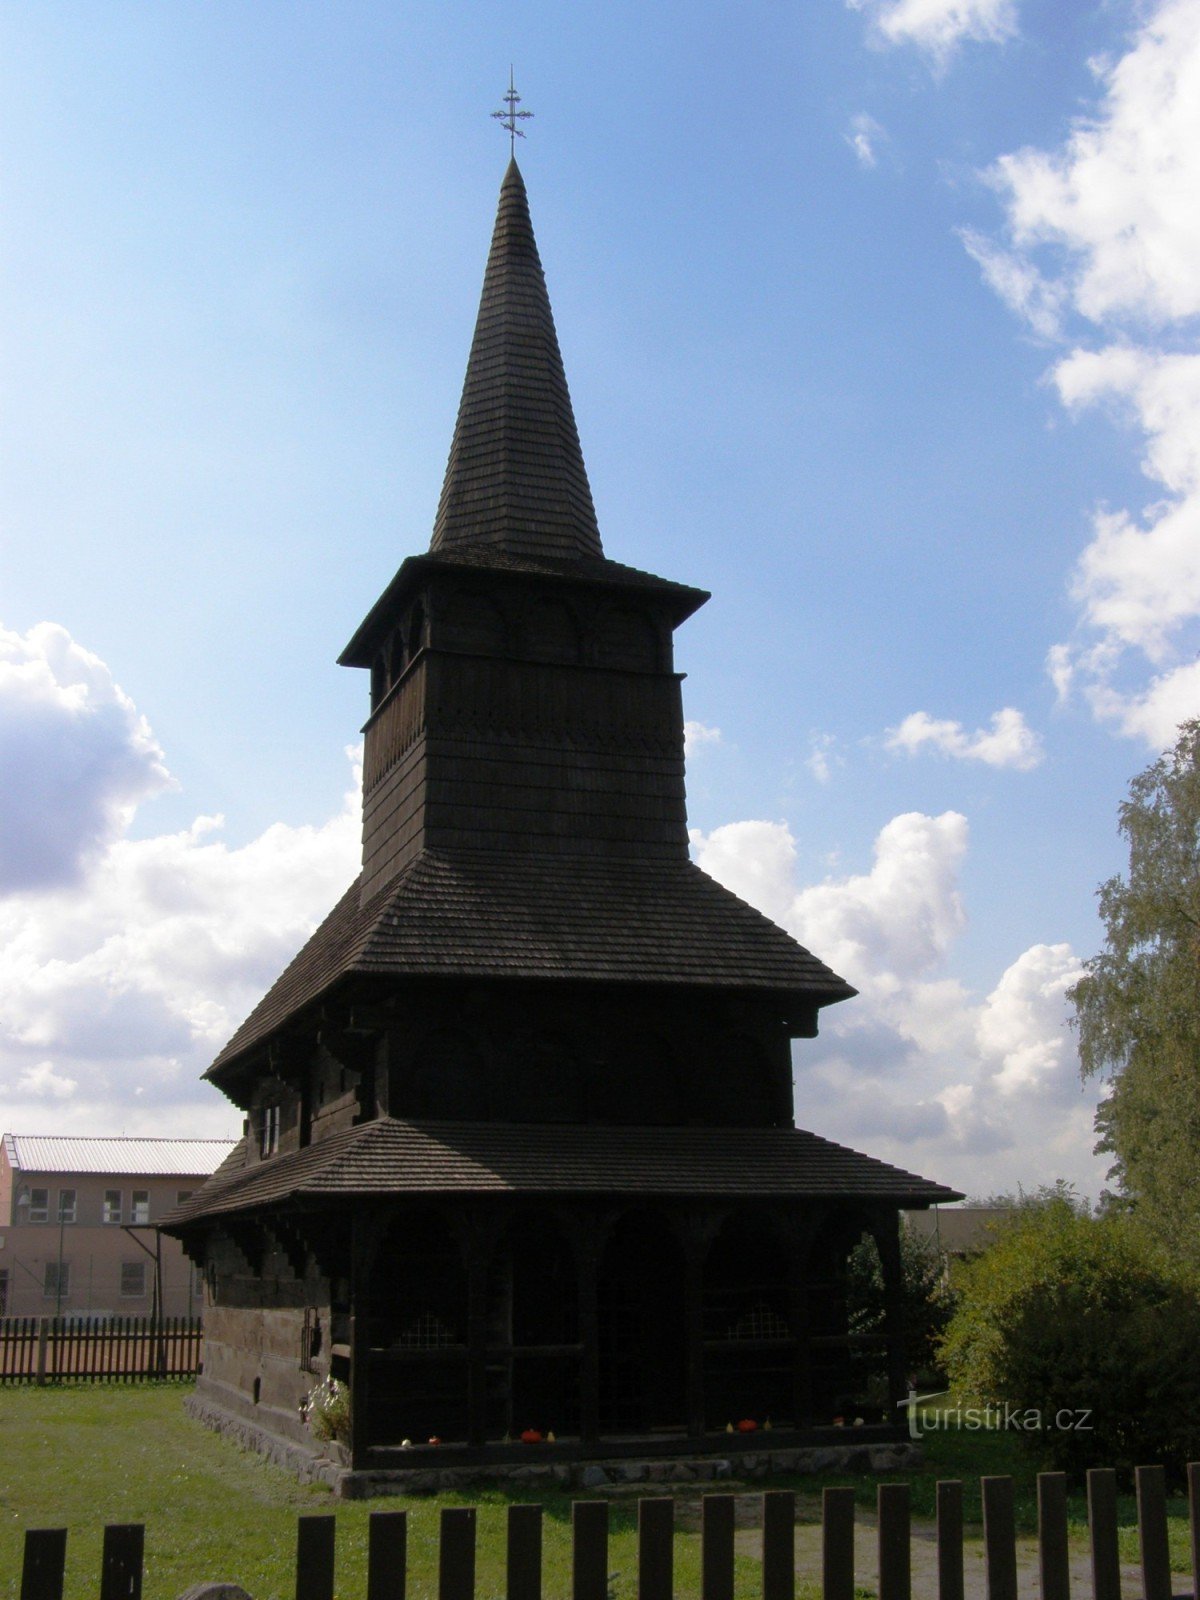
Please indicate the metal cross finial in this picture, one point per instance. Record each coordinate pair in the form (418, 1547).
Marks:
(509, 118)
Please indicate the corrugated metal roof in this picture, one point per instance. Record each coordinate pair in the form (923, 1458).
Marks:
(151, 1158)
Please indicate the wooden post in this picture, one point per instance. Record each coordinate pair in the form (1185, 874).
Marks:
(43, 1326)
(121, 1561)
(695, 1248)
(837, 1544)
(895, 1570)
(478, 1257)
(1102, 1528)
(779, 1545)
(387, 1555)
(950, 1539)
(524, 1553)
(1053, 1562)
(456, 1557)
(999, 1538)
(589, 1550)
(656, 1549)
(1193, 1475)
(44, 1564)
(587, 1264)
(315, 1538)
(716, 1547)
(1152, 1532)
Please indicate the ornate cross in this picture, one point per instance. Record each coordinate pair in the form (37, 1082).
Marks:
(509, 118)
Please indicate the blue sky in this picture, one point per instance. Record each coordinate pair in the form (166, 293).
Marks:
(880, 322)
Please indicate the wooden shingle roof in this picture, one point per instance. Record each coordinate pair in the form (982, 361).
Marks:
(491, 914)
(390, 1157)
(515, 479)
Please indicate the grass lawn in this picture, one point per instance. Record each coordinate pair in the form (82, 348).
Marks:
(82, 1457)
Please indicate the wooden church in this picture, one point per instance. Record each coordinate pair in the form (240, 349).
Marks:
(519, 1154)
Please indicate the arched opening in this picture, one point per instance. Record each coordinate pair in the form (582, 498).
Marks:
(628, 639)
(543, 1079)
(641, 1328)
(446, 1078)
(639, 1085)
(551, 632)
(832, 1376)
(741, 1091)
(416, 630)
(749, 1341)
(533, 1332)
(472, 623)
(417, 1333)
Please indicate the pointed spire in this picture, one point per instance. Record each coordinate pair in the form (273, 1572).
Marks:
(515, 482)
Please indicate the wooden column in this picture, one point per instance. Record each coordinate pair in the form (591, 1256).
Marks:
(362, 1250)
(697, 1235)
(477, 1241)
(589, 1237)
(886, 1233)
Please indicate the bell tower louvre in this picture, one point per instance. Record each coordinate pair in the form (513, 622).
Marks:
(519, 1149)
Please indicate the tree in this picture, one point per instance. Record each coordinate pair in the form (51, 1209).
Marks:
(1086, 1332)
(1137, 1007)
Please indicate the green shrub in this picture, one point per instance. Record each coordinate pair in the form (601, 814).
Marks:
(1086, 1331)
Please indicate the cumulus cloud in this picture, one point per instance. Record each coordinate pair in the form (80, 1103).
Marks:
(1009, 742)
(938, 27)
(696, 735)
(918, 1068)
(1102, 248)
(121, 977)
(76, 758)
(823, 756)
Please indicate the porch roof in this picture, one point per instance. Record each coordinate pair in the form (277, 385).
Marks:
(393, 1158)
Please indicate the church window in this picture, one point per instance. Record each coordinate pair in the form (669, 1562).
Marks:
(628, 639)
(551, 633)
(268, 1130)
(473, 623)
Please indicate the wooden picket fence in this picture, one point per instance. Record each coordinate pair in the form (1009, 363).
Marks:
(113, 1349)
(122, 1555)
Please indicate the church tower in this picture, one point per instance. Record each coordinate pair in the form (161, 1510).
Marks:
(520, 1149)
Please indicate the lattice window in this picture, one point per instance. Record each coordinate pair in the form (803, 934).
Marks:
(425, 1332)
(760, 1322)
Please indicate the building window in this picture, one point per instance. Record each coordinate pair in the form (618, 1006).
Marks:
(133, 1280)
(139, 1211)
(181, 1195)
(112, 1205)
(268, 1141)
(66, 1205)
(39, 1205)
(56, 1281)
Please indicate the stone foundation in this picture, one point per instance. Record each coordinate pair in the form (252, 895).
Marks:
(329, 1464)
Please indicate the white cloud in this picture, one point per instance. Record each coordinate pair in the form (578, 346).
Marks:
(823, 756)
(76, 758)
(918, 1069)
(698, 734)
(938, 27)
(1009, 742)
(1104, 231)
(864, 138)
(118, 986)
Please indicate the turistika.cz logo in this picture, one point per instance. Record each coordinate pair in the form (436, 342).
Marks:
(924, 1418)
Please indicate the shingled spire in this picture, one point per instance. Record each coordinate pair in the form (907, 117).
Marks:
(515, 482)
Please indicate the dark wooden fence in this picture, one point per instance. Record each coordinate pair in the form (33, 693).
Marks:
(121, 1560)
(125, 1349)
